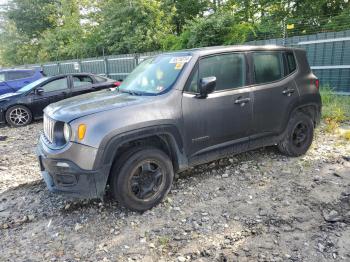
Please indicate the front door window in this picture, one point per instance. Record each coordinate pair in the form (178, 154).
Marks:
(56, 85)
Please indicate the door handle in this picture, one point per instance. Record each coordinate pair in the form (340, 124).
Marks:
(288, 91)
(242, 101)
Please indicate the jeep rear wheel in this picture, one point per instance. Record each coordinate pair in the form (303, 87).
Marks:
(17, 116)
(298, 136)
(142, 178)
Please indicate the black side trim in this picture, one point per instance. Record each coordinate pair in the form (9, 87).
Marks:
(109, 146)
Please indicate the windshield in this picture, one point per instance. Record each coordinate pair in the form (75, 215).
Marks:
(32, 85)
(155, 75)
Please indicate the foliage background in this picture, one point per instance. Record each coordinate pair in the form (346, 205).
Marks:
(35, 31)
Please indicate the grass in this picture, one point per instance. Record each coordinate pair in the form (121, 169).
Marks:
(335, 108)
(164, 241)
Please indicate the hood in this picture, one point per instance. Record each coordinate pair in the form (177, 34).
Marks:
(83, 105)
(9, 95)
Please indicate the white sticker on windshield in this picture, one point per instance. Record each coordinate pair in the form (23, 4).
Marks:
(180, 59)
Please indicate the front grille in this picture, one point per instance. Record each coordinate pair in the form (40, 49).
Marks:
(49, 126)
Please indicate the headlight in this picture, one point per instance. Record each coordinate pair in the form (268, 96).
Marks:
(67, 132)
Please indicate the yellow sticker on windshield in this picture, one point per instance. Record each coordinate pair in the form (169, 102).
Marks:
(179, 66)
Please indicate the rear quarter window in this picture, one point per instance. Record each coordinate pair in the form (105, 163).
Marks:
(291, 63)
(267, 67)
(100, 79)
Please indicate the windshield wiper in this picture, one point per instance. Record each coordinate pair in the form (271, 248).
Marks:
(134, 93)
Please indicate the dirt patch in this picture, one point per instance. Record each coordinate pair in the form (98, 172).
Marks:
(256, 206)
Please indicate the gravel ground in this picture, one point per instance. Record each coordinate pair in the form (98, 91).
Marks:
(256, 206)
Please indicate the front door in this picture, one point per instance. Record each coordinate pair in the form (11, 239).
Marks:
(224, 117)
(54, 91)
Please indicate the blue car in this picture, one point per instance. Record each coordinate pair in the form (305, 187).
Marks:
(12, 80)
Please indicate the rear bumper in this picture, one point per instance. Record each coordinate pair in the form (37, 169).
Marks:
(62, 175)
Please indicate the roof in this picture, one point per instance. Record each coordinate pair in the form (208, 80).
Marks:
(233, 48)
(16, 69)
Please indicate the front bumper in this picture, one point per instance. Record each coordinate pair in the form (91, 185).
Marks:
(62, 175)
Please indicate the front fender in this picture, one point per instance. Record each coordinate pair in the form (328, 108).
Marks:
(110, 144)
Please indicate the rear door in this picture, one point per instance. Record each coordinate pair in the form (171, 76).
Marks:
(274, 92)
(222, 118)
(54, 91)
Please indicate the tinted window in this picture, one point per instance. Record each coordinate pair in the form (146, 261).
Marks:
(291, 64)
(82, 81)
(267, 67)
(56, 85)
(2, 77)
(13, 75)
(229, 70)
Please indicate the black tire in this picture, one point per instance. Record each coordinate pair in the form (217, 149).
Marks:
(298, 135)
(18, 115)
(138, 171)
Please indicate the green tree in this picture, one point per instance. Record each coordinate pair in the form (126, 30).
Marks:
(31, 17)
(134, 26)
(185, 10)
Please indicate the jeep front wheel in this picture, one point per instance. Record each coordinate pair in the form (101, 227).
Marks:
(142, 178)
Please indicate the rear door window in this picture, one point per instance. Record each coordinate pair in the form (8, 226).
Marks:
(267, 67)
(2, 77)
(229, 70)
(14, 75)
(83, 80)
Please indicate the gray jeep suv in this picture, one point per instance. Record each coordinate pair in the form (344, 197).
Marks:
(174, 111)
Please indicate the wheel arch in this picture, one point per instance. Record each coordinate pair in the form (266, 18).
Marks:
(166, 138)
(311, 109)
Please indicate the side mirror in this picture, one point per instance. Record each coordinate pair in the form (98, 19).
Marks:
(39, 91)
(207, 85)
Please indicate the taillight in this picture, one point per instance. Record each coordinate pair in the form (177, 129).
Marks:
(316, 82)
(118, 83)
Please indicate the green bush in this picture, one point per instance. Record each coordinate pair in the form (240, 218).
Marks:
(335, 108)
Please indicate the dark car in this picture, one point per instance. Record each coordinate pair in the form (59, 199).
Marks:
(21, 107)
(178, 110)
(12, 80)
